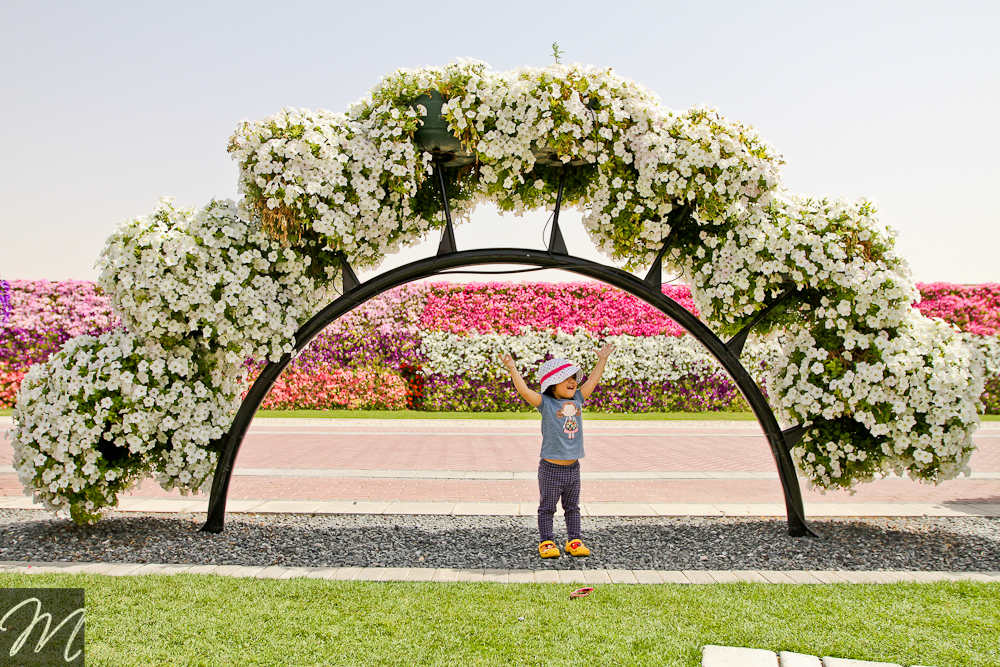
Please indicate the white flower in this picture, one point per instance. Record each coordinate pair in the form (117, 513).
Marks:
(209, 276)
(73, 450)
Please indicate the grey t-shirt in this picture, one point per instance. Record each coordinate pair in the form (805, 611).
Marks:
(562, 427)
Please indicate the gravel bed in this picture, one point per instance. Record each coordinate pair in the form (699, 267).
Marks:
(663, 543)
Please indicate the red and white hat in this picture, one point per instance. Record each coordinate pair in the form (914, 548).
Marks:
(555, 371)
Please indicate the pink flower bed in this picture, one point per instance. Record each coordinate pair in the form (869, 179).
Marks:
(500, 307)
(974, 308)
(9, 383)
(397, 311)
(77, 307)
(357, 389)
(74, 306)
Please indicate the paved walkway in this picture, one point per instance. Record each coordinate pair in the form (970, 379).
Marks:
(444, 465)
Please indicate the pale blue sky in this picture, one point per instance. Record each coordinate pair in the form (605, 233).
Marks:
(107, 106)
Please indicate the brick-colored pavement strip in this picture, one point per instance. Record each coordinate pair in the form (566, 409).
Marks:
(500, 452)
(498, 445)
(513, 446)
(432, 445)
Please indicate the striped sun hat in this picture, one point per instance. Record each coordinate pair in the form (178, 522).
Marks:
(555, 371)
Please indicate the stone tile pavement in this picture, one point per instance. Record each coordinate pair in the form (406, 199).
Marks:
(511, 445)
(731, 656)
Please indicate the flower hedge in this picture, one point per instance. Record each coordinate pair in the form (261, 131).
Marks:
(333, 389)
(74, 307)
(387, 333)
(877, 385)
(506, 308)
(5, 307)
(975, 309)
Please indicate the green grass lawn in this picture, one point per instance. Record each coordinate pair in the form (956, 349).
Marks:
(206, 620)
(413, 414)
(416, 414)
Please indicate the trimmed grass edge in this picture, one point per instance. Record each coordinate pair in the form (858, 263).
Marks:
(416, 414)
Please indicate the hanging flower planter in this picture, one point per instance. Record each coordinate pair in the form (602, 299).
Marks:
(546, 156)
(434, 136)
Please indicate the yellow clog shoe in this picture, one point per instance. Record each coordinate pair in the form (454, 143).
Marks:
(576, 548)
(548, 549)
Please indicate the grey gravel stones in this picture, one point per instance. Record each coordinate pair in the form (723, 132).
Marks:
(956, 544)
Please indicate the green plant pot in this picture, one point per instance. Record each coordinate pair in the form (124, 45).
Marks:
(546, 157)
(434, 136)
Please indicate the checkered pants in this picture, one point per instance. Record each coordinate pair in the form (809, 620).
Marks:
(555, 482)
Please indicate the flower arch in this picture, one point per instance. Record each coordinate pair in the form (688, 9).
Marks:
(867, 383)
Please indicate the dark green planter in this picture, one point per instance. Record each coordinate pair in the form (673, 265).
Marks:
(434, 137)
(546, 157)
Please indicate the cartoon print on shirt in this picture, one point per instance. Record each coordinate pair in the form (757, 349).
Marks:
(570, 426)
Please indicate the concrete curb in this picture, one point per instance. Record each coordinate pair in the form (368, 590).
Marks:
(456, 508)
(548, 576)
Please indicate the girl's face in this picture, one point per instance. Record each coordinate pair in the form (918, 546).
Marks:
(566, 388)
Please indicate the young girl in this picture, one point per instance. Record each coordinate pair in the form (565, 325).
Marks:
(561, 405)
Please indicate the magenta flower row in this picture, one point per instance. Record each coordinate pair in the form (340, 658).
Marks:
(973, 308)
(78, 307)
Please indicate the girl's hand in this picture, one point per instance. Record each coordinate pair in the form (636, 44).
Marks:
(605, 351)
(507, 360)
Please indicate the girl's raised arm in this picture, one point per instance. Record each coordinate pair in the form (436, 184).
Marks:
(590, 385)
(532, 397)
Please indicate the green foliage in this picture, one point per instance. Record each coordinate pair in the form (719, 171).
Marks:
(557, 53)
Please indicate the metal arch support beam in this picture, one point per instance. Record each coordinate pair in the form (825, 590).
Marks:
(431, 266)
(447, 244)
(737, 342)
(348, 279)
(556, 243)
(677, 217)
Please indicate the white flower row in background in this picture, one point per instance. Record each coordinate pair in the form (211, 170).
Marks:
(638, 358)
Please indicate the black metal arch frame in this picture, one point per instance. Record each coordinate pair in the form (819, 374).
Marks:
(556, 257)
